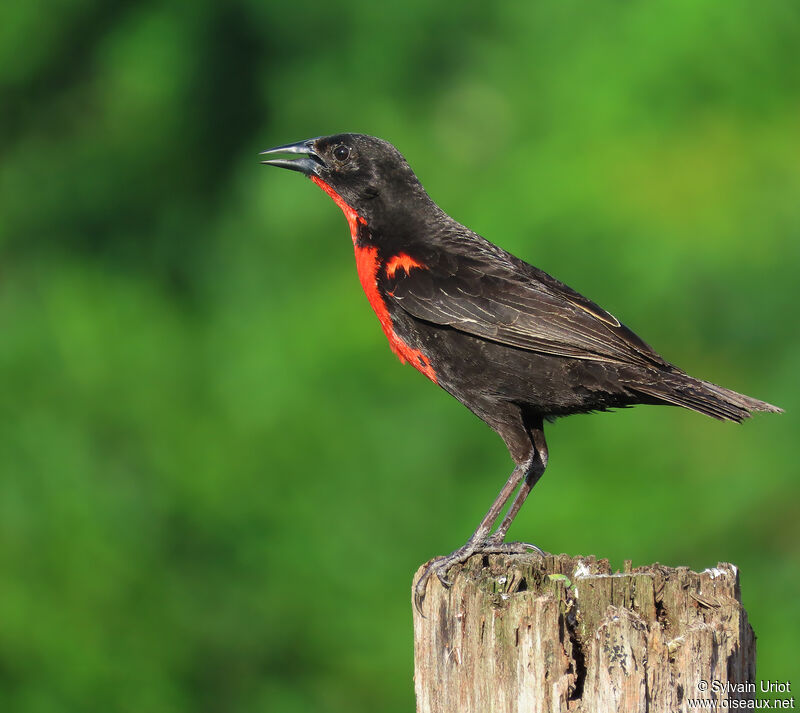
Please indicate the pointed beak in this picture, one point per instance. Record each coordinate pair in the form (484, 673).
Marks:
(309, 162)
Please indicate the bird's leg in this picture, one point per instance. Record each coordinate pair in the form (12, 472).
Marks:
(528, 473)
(534, 471)
(531, 478)
(485, 526)
(441, 565)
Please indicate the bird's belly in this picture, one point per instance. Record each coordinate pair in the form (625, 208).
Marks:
(481, 373)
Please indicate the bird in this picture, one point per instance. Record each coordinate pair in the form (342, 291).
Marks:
(514, 345)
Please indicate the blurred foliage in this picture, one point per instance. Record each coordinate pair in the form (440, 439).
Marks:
(216, 479)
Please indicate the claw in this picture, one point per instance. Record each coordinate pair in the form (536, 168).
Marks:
(440, 565)
(538, 550)
(446, 583)
(419, 598)
(421, 587)
(513, 548)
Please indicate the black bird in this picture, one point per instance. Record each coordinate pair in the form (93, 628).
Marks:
(513, 344)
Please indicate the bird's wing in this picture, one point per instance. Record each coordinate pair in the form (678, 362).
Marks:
(513, 303)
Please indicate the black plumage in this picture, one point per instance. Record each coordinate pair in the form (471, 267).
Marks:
(513, 344)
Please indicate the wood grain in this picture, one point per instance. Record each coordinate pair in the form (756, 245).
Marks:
(520, 633)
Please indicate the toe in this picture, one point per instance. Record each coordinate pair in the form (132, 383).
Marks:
(441, 573)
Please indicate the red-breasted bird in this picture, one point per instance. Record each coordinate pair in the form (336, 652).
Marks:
(513, 344)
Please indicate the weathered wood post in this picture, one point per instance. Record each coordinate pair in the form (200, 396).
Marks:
(524, 634)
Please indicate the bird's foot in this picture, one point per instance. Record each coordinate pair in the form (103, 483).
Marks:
(495, 542)
(440, 566)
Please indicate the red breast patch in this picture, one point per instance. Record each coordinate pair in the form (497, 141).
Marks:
(367, 264)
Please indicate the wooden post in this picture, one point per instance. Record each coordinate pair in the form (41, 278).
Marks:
(524, 634)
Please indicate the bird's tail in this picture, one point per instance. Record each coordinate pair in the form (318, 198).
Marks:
(706, 398)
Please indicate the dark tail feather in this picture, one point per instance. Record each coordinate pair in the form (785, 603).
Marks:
(706, 398)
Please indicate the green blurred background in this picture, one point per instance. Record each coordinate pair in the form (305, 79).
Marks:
(216, 479)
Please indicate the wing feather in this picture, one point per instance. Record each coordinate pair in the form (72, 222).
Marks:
(513, 303)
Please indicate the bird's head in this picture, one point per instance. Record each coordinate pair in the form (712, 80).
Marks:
(368, 174)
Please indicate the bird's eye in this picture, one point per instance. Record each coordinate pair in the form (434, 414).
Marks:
(341, 153)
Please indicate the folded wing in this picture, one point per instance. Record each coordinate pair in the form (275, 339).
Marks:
(513, 303)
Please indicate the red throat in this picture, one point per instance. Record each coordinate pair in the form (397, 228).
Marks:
(368, 263)
(353, 218)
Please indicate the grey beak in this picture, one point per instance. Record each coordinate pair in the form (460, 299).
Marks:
(308, 164)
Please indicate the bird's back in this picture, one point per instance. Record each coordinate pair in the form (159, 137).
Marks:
(497, 329)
